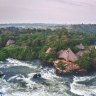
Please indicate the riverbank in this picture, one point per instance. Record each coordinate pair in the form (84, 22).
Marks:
(71, 68)
(70, 72)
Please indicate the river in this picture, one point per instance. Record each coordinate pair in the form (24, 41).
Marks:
(18, 81)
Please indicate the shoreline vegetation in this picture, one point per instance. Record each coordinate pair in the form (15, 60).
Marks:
(29, 44)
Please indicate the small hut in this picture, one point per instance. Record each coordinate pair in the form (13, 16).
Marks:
(80, 46)
(68, 55)
(10, 42)
(49, 51)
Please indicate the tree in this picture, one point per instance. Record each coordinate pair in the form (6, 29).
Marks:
(85, 61)
(3, 55)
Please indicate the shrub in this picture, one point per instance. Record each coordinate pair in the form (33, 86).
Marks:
(85, 61)
(61, 66)
(3, 55)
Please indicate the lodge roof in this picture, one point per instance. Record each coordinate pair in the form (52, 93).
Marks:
(68, 55)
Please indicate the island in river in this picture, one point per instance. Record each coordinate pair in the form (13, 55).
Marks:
(65, 49)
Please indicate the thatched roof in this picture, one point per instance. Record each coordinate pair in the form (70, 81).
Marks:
(10, 42)
(80, 46)
(49, 50)
(68, 55)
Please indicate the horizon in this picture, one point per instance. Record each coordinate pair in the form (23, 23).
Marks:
(48, 11)
(51, 23)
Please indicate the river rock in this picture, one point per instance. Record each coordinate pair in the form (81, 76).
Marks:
(37, 76)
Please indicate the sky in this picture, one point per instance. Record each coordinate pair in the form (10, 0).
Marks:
(48, 11)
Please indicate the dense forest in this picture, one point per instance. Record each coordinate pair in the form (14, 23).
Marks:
(32, 44)
(89, 28)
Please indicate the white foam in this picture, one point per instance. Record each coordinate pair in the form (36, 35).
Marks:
(8, 88)
(48, 73)
(1, 62)
(41, 92)
(17, 77)
(14, 62)
(4, 86)
(82, 89)
(55, 87)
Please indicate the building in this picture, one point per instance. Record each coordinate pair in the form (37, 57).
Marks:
(80, 46)
(67, 55)
(10, 42)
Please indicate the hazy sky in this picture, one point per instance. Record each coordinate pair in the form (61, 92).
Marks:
(48, 11)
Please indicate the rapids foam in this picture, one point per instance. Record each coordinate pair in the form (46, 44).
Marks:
(48, 73)
(19, 84)
(80, 87)
(14, 62)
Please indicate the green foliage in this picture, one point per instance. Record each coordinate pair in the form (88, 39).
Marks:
(93, 57)
(33, 43)
(61, 66)
(50, 57)
(88, 60)
(85, 61)
(14, 51)
(3, 55)
(46, 57)
(74, 49)
(21, 53)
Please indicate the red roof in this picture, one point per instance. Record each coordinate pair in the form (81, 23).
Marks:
(68, 55)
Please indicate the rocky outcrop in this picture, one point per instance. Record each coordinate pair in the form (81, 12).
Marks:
(36, 76)
(69, 66)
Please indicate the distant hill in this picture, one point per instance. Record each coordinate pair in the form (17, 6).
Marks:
(33, 25)
(71, 27)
